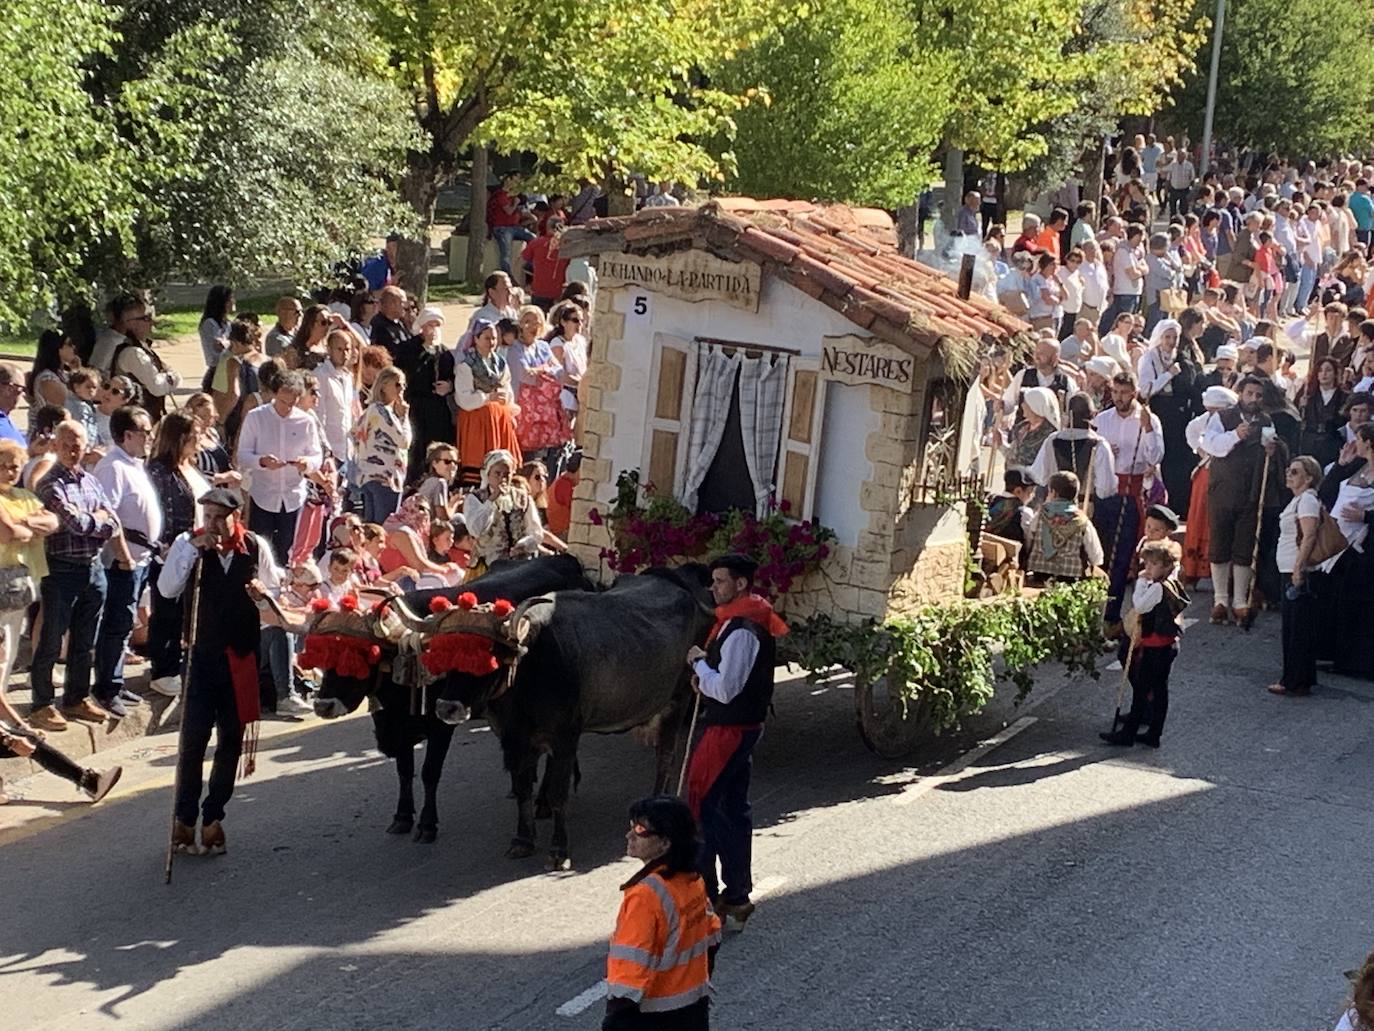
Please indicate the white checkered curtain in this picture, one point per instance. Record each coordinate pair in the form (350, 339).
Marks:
(762, 395)
(710, 408)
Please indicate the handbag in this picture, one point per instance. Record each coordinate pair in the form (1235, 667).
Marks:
(1173, 300)
(16, 588)
(1330, 541)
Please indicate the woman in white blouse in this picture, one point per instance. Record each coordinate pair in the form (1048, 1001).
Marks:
(1297, 536)
(501, 517)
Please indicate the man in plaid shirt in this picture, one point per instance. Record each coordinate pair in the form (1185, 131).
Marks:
(73, 592)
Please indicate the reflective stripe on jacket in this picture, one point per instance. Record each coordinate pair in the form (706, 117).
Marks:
(658, 956)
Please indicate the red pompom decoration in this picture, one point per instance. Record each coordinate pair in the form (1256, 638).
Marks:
(343, 654)
(460, 653)
(374, 653)
(439, 604)
(467, 600)
(320, 605)
(502, 608)
(349, 603)
(381, 608)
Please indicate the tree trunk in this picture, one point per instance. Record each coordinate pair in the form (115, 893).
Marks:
(954, 186)
(1094, 162)
(620, 196)
(420, 188)
(477, 215)
(907, 219)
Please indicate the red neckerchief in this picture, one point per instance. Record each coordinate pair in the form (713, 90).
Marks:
(751, 607)
(233, 541)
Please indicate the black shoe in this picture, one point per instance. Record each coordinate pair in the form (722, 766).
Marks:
(1148, 739)
(1125, 736)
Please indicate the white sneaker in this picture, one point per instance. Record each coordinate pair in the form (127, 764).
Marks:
(294, 705)
(168, 687)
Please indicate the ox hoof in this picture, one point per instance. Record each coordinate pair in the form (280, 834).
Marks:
(426, 835)
(400, 825)
(520, 849)
(543, 811)
(558, 861)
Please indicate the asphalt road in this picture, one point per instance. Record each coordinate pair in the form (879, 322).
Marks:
(1219, 883)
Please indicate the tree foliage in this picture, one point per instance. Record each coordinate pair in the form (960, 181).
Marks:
(856, 109)
(1296, 76)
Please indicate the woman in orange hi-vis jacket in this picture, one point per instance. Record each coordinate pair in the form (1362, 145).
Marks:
(658, 973)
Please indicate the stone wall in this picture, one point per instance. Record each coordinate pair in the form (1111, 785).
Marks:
(907, 556)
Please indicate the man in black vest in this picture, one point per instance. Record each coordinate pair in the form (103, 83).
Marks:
(236, 568)
(734, 677)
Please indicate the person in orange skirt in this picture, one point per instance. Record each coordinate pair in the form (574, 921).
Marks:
(486, 410)
(1195, 562)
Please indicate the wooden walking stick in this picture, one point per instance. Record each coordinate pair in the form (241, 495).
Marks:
(1254, 555)
(1125, 679)
(190, 639)
(687, 745)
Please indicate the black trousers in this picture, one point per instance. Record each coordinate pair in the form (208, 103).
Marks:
(1149, 678)
(165, 624)
(210, 704)
(51, 760)
(1299, 617)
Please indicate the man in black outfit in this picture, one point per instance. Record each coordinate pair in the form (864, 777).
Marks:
(15, 741)
(236, 568)
(734, 676)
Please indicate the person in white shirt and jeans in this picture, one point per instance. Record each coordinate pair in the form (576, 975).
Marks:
(133, 499)
(338, 394)
(278, 445)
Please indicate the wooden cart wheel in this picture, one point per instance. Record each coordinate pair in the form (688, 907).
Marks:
(886, 728)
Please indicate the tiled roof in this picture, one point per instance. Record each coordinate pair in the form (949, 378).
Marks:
(844, 257)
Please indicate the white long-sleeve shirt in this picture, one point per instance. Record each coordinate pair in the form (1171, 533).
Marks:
(1133, 452)
(1217, 440)
(337, 394)
(289, 437)
(1193, 433)
(481, 518)
(737, 657)
(1154, 372)
(138, 365)
(1103, 471)
(181, 557)
(132, 497)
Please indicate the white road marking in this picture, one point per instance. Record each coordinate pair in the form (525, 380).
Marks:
(583, 1001)
(913, 792)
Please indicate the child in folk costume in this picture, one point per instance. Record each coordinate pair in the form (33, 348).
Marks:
(1158, 601)
(1196, 565)
(1063, 543)
(1010, 513)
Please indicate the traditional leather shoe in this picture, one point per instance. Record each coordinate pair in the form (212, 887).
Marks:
(212, 838)
(85, 710)
(737, 911)
(97, 785)
(47, 718)
(1118, 737)
(1241, 617)
(1218, 617)
(183, 838)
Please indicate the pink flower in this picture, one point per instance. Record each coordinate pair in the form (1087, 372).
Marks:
(594, 517)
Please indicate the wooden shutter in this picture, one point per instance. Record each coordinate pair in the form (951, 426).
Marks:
(669, 412)
(800, 438)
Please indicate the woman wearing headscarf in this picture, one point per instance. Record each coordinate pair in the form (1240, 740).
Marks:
(1040, 412)
(407, 545)
(428, 384)
(500, 516)
(1195, 564)
(534, 377)
(486, 409)
(1168, 375)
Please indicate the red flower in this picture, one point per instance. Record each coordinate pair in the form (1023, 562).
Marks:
(784, 506)
(349, 603)
(502, 608)
(467, 600)
(439, 604)
(381, 608)
(594, 517)
(320, 605)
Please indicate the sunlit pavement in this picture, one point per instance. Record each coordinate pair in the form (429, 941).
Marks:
(1050, 883)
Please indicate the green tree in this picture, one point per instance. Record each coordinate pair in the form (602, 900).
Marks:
(596, 88)
(1296, 76)
(855, 110)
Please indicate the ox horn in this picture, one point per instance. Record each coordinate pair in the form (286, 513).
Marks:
(517, 628)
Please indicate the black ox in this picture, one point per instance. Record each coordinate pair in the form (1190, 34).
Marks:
(601, 663)
(403, 715)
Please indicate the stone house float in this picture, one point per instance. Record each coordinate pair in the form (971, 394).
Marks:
(748, 349)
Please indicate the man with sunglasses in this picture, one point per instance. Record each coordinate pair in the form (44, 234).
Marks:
(127, 312)
(11, 390)
(279, 337)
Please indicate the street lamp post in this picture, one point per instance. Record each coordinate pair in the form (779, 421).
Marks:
(1212, 87)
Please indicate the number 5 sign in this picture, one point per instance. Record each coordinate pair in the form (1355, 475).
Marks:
(639, 310)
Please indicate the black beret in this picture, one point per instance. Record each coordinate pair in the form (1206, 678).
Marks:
(1164, 514)
(736, 565)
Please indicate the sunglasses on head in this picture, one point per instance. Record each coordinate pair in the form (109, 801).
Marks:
(642, 830)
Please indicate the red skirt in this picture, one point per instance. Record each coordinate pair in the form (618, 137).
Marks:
(487, 429)
(1195, 564)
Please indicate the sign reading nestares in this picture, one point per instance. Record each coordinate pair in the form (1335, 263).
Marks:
(859, 361)
(689, 275)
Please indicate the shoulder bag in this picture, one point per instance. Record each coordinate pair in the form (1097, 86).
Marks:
(1330, 541)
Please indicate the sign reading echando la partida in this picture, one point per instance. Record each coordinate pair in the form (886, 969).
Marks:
(690, 275)
(860, 361)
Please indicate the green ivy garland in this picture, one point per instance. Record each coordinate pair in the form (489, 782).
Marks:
(943, 655)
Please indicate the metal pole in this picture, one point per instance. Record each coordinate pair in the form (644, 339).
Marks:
(1212, 88)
